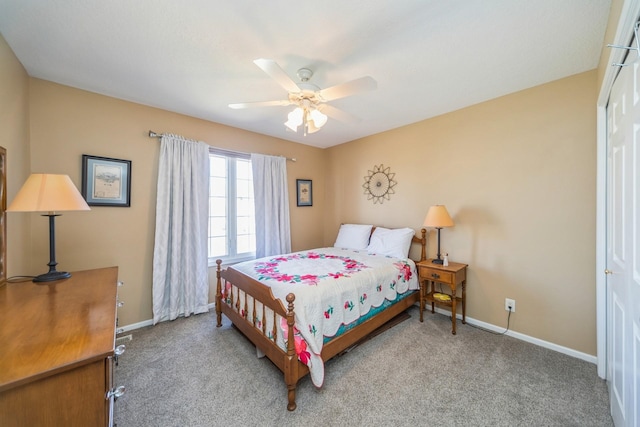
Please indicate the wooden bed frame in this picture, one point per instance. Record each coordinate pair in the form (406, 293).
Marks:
(288, 361)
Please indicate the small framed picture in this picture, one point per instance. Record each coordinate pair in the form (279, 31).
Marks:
(305, 192)
(105, 181)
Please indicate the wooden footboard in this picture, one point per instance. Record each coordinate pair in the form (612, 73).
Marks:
(266, 340)
(287, 361)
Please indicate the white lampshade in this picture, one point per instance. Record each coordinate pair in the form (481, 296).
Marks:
(319, 119)
(311, 127)
(306, 115)
(48, 193)
(438, 217)
(295, 119)
(296, 116)
(291, 125)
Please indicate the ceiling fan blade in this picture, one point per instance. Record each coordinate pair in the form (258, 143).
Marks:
(282, 103)
(343, 90)
(272, 68)
(338, 114)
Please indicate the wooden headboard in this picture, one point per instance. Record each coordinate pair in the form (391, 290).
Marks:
(422, 240)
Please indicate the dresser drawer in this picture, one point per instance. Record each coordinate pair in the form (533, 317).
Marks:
(436, 275)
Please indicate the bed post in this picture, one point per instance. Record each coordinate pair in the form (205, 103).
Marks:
(218, 294)
(423, 241)
(291, 365)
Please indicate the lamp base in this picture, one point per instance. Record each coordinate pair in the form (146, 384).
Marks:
(437, 261)
(52, 276)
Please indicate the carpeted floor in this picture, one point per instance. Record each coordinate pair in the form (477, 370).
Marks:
(190, 373)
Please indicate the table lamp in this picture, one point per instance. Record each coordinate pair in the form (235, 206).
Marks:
(438, 217)
(49, 193)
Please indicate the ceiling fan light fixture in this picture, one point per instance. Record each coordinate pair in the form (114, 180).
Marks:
(291, 125)
(311, 127)
(318, 118)
(295, 119)
(296, 116)
(309, 99)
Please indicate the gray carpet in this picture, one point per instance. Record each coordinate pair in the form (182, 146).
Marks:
(190, 373)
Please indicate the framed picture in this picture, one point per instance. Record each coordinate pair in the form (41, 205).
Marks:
(304, 192)
(105, 181)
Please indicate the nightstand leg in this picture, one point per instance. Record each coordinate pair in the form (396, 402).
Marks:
(422, 293)
(464, 301)
(453, 314)
(433, 291)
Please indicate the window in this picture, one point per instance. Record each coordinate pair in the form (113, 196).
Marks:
(232, 235)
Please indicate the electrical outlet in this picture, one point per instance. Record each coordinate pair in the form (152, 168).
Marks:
(510, 305)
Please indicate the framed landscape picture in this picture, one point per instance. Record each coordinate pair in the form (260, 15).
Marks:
(304, 192)
(106, 181)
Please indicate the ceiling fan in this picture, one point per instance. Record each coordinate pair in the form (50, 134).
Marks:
(311, 102)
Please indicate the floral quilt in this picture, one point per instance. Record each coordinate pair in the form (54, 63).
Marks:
(333, 287)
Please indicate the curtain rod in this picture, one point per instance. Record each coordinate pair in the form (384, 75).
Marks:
(153, 134)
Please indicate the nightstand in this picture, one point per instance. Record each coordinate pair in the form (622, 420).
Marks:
(451, 276)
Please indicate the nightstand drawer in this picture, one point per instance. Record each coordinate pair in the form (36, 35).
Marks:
(436, 275)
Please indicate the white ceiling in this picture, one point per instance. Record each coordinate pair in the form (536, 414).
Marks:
(195, 57)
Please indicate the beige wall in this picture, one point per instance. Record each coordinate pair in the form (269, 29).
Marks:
(66, 123)
(517, 173)
(14, 137)
(518, 176)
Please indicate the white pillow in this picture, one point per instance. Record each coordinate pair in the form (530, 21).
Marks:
(353, 236)
(395, 243)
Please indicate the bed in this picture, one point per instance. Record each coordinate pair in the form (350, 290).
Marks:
(302, 309)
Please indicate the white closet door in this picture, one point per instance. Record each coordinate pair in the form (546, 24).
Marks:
(623, 241)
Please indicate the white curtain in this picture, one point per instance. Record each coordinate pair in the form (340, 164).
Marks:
(180, 258)
(271, 195)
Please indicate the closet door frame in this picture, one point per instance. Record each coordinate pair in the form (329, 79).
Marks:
(629, 15)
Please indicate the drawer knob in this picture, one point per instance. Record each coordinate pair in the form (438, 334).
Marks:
(435, 275)
(119, 351)
(115, 392)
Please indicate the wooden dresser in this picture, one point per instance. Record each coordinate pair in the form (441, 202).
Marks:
(56, 351)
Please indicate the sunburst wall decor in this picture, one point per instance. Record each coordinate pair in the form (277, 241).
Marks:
(378, 184)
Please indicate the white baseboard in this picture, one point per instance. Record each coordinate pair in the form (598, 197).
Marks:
(135, 326)
(149, 322)
(551, 346)
(470, 320)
